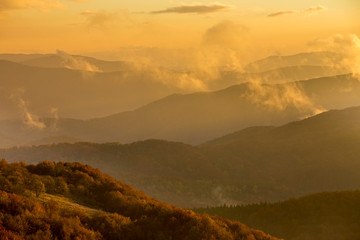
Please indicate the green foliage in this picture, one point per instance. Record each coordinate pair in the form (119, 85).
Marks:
(117, 210)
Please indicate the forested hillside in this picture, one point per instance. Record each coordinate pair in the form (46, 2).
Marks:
(322, 216)
(172, 172)
(114, 210)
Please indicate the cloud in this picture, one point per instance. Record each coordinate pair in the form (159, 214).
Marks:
(185, 81)
(282, 96)
(98, 19)
(199, 9)
(309, 10)
(196, 69)
(226, 34)
(346, 45)
(282, 13)
(55, 117)
(22, 4)
(29, 119)
(6, 5)
(218, 193)
(317, 8)
(76, 63)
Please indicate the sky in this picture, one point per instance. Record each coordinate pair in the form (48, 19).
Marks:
(112, 29)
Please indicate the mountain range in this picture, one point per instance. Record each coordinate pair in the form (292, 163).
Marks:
(196, 117)
(99, 88)
(253, 165)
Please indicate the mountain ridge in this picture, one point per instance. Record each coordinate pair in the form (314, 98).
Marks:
(253, 165)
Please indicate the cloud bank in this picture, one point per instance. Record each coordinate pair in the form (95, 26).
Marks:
(279, 14)
(76, 63)
(309, 10)
(316, 9)
(198, 9)
(346, 45)
(198, 69)
(226, 34)
(283, 96)
(6, 5)
(97, 19)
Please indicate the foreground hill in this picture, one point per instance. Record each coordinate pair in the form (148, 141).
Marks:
(115, 210)
(253, 165)
(322, 216)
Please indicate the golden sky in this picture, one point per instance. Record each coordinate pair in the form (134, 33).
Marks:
(105, 27)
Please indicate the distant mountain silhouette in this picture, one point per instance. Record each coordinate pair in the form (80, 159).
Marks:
(13, 57)
(198, 117)
(307, 58)
(56, 61)
(279, 75)
(64, 60)
(302, 60)
(55, 139)
(75, 93)
(194, 118)
(84, 87)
